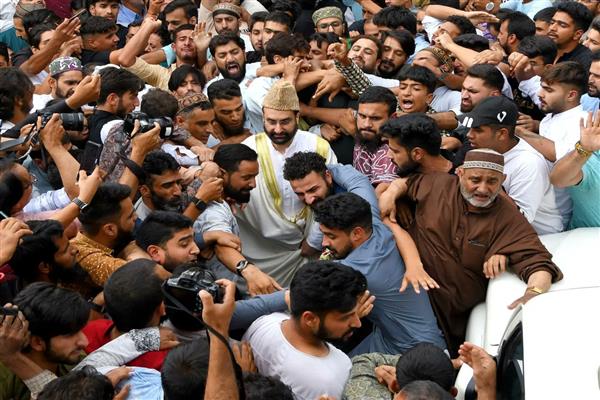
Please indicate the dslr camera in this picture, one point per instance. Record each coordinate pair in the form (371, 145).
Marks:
(70, 121)
(147, 123)
(186, 287)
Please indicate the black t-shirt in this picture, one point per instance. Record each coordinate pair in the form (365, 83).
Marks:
(253, 56)
(21, 56)
(89, 56)
(581, 54)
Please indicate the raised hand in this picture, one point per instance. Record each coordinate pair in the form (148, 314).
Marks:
(590, 133)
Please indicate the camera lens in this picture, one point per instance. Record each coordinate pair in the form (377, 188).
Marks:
(73, 121)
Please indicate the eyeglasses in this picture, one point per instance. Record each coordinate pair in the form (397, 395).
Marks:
(324, 26)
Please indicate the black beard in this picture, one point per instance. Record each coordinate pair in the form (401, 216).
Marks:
(371, 145)
(388, 75)
(239, 78)
(161, 204)
(322, 334)
(239, 196)
(122, 240)
(67, 275)
(407, 169)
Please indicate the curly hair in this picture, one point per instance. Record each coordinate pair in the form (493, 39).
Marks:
(14, 84)
(303, 163)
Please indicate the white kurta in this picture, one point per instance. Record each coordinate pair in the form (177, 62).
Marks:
(272, 236)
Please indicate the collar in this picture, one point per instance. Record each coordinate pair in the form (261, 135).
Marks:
(81, 237)
(567, 114)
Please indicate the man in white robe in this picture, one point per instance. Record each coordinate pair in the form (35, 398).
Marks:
(275, 223)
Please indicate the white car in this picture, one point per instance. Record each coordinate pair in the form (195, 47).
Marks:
(548, 348)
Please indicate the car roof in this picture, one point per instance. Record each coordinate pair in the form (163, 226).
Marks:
(561, 337)
(575, 252)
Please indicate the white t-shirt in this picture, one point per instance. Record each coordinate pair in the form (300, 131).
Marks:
(308, 376)
(528, 184)
(445, 99)
(40, 101)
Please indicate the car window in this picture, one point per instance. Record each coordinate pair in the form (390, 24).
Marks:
(511, 381)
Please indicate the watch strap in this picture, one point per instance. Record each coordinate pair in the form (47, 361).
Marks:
(200, 204)
(79, 203)
(241, 266)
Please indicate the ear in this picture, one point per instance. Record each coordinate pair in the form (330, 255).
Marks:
(112, 99)
(156, 253)
(52, 82)
(417, 154)
(328, 177)
(310, 319)
(44, 268)
(578, 34)
(277, 59)
(429, 98)
(111, 230)
(495, 93)
(573, 96)
(512, 38)
(460, 172)
(144, 191)
(179, 120)
(161, 310)
(37, 344)
(357, 233)
(193, 20)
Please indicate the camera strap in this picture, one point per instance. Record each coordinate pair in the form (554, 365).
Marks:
(236, 368)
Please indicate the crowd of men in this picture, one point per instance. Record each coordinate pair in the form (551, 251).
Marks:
(281, 199)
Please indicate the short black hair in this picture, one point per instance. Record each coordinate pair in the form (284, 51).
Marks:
(301, 164)
(94, 25)
(4, 51)
(489, 74)
(156, 163)
(570, 73)
(419, 74)
(372, 39)
(83, 384)
(425, 361)
(36, 248)
(324, 286)
(327, 37)
(535, 46)
(189, 7)
(118, 81)
(406, 40)
(104, 207)
(379, 94)
(595, 57)
(223, 89)
(257, 17)
(132, 294)
(462, 23)
(414, 130)
(545, 14)
(225, 38)
(35, 35)
(184, 371)
(284, 45)
(280, 17)
(287, 6)
(429, 390)
(184, 27)
(344, 211)
(37, 17)
(230, 156)
(472, 41)
(159, 103)
(395, 17)
(51, 310)
(159, 227)
(14, 85)
(180, 73)
(519, 24)
(582, 17)
(260, 387)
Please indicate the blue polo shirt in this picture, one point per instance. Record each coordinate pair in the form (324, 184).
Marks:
(586, 195)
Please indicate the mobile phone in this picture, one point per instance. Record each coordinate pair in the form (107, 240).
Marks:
(77, 14)
(91, 155)
(9, 311)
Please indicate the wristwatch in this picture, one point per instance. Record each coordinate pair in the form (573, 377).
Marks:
(79, 203)
(581, 151)
(241, 266)
(200, 204)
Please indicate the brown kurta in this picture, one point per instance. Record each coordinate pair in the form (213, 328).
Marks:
(454, 242)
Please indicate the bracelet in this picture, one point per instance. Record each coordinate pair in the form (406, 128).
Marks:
(535, 289)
